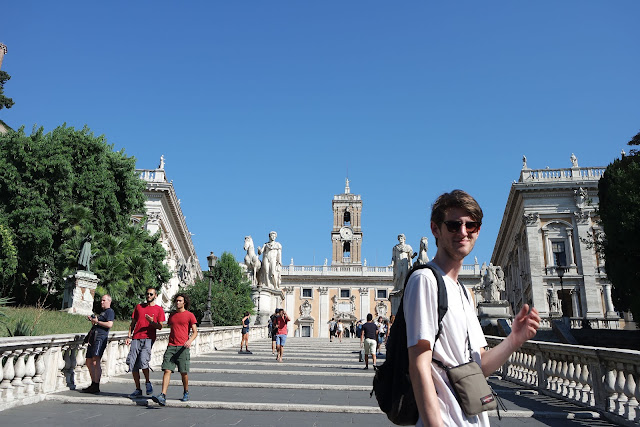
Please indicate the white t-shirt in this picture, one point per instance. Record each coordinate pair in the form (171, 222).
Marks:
(421, 315)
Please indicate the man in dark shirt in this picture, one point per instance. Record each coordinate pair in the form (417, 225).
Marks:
(368, 337)
(95, 350)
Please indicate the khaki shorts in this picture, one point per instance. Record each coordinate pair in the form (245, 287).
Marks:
(369, 346)
(176, 356)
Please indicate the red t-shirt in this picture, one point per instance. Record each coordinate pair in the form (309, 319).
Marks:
(282, 325)
(180, 323)
(142, 329)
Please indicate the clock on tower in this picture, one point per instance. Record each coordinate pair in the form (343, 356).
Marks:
(346, 235)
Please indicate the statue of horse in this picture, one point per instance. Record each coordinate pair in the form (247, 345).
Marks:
(251, 260)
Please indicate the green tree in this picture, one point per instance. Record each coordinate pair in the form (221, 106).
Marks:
(56, 188)
(230, 293)
(8, 257)
(4, 101)
(619, 208)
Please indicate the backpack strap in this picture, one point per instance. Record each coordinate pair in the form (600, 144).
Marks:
(443, 302)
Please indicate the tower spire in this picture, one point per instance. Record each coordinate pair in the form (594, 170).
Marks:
(346, 187)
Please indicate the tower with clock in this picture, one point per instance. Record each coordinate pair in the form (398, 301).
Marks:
(346, 235)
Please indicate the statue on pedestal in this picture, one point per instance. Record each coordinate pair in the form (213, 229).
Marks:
(271, 262)
(493, 283)
(401, 261)
(84, 259)
(251, 260)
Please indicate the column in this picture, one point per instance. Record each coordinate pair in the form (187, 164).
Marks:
(323, 317)
(570, 261)
(608, 302)
(575, 303)
(289, 308)
(364, 302)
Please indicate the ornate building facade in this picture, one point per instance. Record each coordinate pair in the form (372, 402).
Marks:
(346, 289)
(163, 214)
(550, 221)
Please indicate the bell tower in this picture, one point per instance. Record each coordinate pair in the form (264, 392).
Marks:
(346, 235)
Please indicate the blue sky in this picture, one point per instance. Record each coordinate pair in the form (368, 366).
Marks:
(261, 108)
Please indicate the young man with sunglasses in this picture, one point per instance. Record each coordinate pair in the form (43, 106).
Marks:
(146, 319)
(456, 219)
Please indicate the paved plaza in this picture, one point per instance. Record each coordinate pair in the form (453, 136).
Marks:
(318, 384)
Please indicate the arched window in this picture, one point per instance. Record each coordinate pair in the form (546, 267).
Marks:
(346, 252)
(347, 219)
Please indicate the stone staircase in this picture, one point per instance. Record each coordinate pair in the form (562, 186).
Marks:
(319, 383)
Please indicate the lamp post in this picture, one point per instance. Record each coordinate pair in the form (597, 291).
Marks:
(207, 318)
(560, 270)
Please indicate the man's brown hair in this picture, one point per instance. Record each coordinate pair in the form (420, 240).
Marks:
(455, 199)
(187, 300)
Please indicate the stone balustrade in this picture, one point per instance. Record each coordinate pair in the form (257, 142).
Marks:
(32, 367)
(607, 379)
(356, 270)
(568, 174)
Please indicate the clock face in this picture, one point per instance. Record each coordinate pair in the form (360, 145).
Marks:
(346, 233)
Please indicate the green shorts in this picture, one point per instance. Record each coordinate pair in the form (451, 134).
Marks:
(176, 356)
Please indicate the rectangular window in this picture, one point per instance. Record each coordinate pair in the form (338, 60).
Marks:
(306, 331)
(307, 293)
(345, 293)
(559, 255)
(382, 294)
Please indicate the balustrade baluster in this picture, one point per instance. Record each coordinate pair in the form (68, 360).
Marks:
(610, 387)
(629, 391)
(60, 356)
(564, 384)
(619, 386)
(19, 369)
(40, 368)
(29, 372)
(8, 373)
(571, 383)
(81, 369)
(585, 380)
(637, 392)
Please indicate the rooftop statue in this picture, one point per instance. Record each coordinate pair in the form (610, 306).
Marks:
(493, 283)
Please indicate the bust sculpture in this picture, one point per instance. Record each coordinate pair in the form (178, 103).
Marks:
(401, 260)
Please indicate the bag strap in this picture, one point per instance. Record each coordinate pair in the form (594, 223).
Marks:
(443, 302)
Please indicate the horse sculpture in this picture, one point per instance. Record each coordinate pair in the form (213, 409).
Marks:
(251, 260)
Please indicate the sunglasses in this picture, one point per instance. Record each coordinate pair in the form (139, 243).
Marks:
(150, 294)
(454, 226)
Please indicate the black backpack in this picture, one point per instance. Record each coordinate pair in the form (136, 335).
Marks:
(391, 383)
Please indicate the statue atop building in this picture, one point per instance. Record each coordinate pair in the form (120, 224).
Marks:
(401, 261)
(271, 262)
(574, 161)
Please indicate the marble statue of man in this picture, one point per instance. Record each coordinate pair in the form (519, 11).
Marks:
(401, 260)
(271, 262)
(84, 259)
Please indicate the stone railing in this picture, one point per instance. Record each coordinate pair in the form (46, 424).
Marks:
(568, 174)
(33, 367)
(152, 175)
(604, 378)
(356, 270)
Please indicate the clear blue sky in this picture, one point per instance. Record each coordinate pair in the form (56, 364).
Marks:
(261, 107)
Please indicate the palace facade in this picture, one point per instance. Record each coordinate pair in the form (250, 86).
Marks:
(548, 227)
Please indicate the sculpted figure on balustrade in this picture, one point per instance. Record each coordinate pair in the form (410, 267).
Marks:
(493, 283)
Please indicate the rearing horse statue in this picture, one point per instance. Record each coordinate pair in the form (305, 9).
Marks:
(251, 260)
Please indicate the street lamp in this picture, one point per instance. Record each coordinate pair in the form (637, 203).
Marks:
(560, 270)
(207, 318)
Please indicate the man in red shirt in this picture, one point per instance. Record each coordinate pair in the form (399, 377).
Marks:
(145, 320)
(180, 322)
(281, 337)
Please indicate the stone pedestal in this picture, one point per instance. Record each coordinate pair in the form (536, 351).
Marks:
(490, 312)
(265, 301)
(79, 293)
(395, 297)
